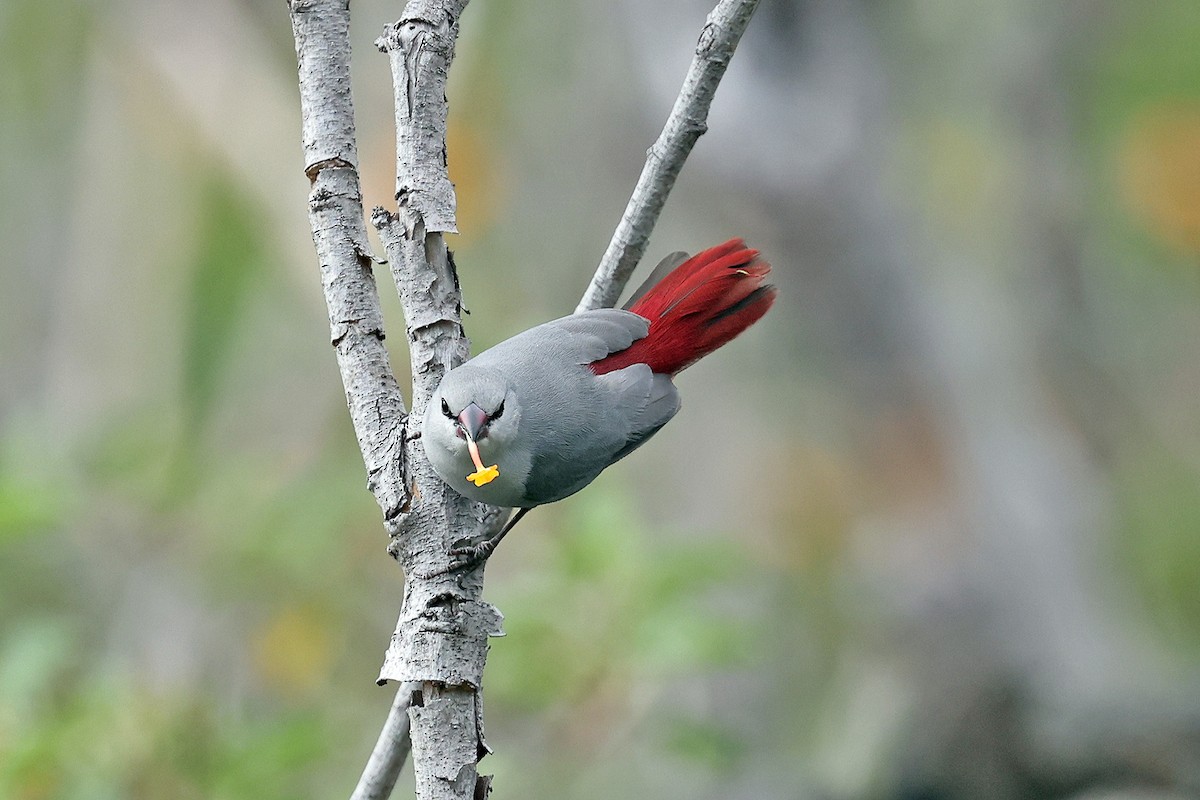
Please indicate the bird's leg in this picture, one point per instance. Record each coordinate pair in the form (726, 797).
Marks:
(469, 556)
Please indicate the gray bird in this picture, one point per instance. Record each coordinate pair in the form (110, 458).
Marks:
(553, 406)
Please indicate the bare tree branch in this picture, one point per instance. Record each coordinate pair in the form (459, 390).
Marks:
(391, 750)
(441, 638)
(335, 211)
(664, 159)
(321, 31)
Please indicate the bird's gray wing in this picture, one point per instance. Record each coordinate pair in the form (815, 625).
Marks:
(599, 332)
(635, 404)
(662, 403)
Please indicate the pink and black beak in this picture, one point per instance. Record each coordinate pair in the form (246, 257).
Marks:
(473, 422)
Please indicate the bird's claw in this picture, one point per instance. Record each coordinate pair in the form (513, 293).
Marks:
(471, 555)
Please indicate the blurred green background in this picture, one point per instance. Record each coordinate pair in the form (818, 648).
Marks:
(930, 531)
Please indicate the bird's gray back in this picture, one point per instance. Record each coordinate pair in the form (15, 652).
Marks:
(578, 339)
(577, 422)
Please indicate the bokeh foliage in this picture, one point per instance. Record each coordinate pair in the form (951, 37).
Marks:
(194, 594)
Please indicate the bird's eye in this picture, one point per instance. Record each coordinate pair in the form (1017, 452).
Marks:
(498, 412)
(446, 409)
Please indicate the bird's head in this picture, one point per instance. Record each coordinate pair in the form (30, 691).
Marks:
(473, 411)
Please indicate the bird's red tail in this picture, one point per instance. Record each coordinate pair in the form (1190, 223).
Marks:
(702, 304)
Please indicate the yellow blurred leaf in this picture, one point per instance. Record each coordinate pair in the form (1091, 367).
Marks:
(1160, 172)
(292, 651)
(814, 515)
(474, 171)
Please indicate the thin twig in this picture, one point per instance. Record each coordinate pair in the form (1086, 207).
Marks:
(391, 750)
(664, 160)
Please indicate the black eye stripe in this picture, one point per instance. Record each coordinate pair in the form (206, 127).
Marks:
(446, 409)
(499, 410)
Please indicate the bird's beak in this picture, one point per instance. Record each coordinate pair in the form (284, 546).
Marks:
(473, 420)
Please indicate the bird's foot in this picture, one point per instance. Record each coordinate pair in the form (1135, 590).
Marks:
(471, 555)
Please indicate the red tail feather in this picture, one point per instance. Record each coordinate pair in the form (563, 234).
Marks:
(702, 304)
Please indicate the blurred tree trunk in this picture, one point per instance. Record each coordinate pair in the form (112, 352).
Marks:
(1014, 631)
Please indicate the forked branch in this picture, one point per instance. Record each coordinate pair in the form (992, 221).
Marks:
(440, 643)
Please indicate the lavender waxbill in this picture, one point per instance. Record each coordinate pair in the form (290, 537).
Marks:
(553, 406)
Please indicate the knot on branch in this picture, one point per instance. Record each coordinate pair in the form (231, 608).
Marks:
(714, 45)
(314, 170)
(425, 28)
(343, 329)
(427, 203)
(381, 217)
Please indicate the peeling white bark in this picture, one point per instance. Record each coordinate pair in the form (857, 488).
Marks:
(421, 47)
(441, 638)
